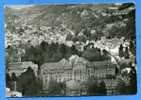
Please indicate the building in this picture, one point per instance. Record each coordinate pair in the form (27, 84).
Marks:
(19, 67)
(59, 71)
(76, 70)
(101, 69)
(73, 88)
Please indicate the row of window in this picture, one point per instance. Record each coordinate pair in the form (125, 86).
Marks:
(89, 70)
(79, 74)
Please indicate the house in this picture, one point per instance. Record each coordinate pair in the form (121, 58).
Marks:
(101, 69)
(19, 67)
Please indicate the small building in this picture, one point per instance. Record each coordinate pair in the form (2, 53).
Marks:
(19, 67)
(101, 69)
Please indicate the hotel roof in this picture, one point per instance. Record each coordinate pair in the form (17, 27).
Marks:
(63, 64)
(98, 64)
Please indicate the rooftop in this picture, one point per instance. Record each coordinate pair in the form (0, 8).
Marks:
(62, 64)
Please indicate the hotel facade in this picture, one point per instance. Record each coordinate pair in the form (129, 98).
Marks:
(78, 70)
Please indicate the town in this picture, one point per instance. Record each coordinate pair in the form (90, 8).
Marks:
(72, 50)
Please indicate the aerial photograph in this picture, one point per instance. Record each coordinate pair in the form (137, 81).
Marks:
(70, 50)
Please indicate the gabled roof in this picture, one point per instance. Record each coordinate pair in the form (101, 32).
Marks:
(74, 59)
(62, 64)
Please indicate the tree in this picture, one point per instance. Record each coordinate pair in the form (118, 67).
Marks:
(73, 49)
(68, 53)
(87, 33)
(28, 84)
(132, 47)
(105, 52)
(8, 80)
(82, 38)
(126, 53)
(14, 77)
(133, 81)
(121, 53)
(56, 88)
(102, 88)
(96, 88)
(92, 87)
(69, 37)
(122, 87)
(62, 49)
(94, 54)
(91, 54)
(44, 45)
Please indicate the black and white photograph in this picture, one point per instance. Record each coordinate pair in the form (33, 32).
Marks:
(70, 50)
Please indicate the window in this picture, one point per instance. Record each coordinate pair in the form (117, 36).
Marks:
(80, 75)
(46, 80)
(74, 74)
(46, 76)
(88, 71)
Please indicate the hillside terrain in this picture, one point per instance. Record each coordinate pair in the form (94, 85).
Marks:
(68, 28)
